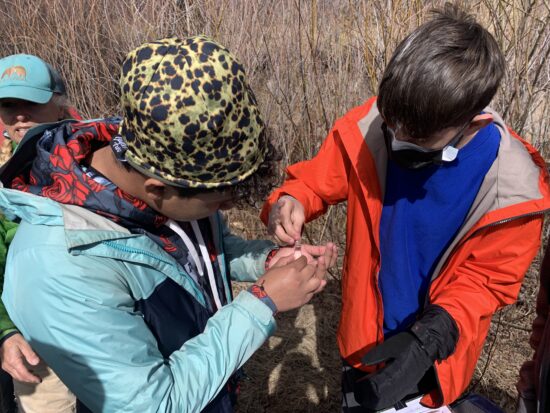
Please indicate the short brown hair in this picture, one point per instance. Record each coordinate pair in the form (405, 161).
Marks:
(441, 75)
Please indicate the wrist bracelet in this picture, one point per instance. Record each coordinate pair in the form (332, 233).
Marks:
(258, 291)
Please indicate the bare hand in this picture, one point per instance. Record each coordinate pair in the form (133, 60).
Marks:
(292, 285)
(286, 255)
(14, 352)
(286, 220)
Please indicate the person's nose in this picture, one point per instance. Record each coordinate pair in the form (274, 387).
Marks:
(22, 116)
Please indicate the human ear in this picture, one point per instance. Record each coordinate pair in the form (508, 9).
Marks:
(155, 191)
(478, 122)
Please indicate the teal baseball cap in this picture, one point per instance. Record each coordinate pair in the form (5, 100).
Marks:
(27, 77)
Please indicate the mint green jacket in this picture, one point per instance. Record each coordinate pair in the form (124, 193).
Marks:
(71, 286)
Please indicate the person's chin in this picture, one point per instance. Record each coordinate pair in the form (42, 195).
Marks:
(19, 135)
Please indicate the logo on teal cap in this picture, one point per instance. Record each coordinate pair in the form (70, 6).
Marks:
(15, 72)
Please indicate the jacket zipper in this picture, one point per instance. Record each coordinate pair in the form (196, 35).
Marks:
(506, 220)
(135, 251)
(379, 328)
(494, 224)
(126, 249)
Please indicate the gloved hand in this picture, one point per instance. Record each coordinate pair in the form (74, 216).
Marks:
(408, 356)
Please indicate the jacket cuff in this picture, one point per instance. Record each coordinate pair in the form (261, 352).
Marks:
(259, 311)
(260, 261)
(7, 334)
(437, 332)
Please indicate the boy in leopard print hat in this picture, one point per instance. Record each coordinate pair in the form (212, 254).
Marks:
(123, 250)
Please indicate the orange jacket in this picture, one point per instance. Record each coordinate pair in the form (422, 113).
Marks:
(480, 272)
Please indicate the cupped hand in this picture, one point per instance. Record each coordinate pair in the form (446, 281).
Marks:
(292, 285)
(16, 354)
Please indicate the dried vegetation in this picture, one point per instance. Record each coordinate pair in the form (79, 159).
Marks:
(308, 61)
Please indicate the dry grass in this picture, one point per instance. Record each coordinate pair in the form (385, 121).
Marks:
(308, 61)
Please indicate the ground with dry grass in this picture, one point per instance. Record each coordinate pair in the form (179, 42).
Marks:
(308, 62)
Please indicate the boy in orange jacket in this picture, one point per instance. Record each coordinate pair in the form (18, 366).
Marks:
(445, 208)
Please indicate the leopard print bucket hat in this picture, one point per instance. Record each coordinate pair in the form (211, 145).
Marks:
(190, 118)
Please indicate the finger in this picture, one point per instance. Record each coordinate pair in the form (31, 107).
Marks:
(274, 216)
(334, 256)
(314, 250)
(292, 218)
(298, 220)
(307, 298)
(282, 201)
(308, 271)
(284, 252)
(271, 225)
(321, 287)
(20, 372)
(31, 357)
(10, 370)
(283, 261)
(321, 269)
(330, 255)
(300, 264)
(282, 237)
(309, 257)
(281, 253)
(287, 221)
(313, 284)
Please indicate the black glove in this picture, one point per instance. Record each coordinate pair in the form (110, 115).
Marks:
(408, 356)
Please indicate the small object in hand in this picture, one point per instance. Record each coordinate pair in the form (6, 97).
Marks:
(298, 249)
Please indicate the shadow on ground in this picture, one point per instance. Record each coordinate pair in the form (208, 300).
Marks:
(298, 370)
